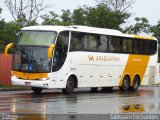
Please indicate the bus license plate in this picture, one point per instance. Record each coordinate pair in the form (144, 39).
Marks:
(27, 83)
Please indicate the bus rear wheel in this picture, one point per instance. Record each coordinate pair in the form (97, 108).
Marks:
(69, 86)
(37, 90)
(136, 83)
(125, 85)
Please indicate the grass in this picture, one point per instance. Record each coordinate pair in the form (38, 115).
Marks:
(5, 86)
(12, 87)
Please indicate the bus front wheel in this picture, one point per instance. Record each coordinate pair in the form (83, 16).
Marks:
(69, 86)
(37, 90)
(125, 85)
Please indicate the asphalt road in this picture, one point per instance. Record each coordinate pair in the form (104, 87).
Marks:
(145, 101)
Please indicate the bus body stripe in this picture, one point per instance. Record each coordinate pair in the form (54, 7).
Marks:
(30, 76)
(144, 37)
(136, 64)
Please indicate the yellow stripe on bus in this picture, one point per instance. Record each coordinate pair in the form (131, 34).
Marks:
(136, 65)
(30, 76)
(144, 37)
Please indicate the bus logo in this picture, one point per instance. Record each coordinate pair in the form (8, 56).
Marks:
(103, 58)
(91, 58)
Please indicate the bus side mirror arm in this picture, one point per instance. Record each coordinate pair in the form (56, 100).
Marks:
(10, 45)
(50, 50)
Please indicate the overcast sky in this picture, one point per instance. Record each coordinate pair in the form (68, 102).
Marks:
(141, 8)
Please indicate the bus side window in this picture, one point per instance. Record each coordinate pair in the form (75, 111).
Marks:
(102, 43)
(135, 46)
(86, 42)
(141, 46)
(90, 43)
(127, 45)
(147, 47)
(115, 44)
(93, 43)
(76, 41)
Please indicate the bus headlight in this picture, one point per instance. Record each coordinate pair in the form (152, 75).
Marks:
(44, 78)
(14, 77)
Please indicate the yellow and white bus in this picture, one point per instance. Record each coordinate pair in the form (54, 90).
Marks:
(68, 57)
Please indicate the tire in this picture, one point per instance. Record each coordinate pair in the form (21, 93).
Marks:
(69, 86)
(37, 90)
(136, 83)
(125, 85)
(126, 107)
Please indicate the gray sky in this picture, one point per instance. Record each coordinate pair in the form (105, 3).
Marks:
(141, 8)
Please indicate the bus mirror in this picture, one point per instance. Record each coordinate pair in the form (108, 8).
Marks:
(7, 48)
(50, 50)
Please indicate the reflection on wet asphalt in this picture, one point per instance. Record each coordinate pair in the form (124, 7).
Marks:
(146, 100)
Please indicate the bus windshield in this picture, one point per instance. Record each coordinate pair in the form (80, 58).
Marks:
(43, 38)
(31, 59)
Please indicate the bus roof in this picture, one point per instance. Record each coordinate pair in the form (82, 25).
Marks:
(86, 29)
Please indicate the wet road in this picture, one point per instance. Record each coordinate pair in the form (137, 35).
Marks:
(146, 100)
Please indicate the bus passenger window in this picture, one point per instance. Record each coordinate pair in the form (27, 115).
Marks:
(86, 42)
(76, 41)
(135, 46)
(115, 45)
(127, 46)
(102, 43)
(141, 46)
(153, 47)
(146, 47)
(93, 43)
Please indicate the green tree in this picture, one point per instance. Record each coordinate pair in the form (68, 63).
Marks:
(2, 26)
(79, 16)
(141, 26)
(0, 10)
(51, 19)
(7, 33)
(103, 16)
(66, 17)
(155, 30)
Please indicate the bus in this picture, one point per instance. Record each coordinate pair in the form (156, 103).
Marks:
(68, 57)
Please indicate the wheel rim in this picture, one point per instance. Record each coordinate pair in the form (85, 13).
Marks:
(126, 84)
(126, 107)
(70, 85)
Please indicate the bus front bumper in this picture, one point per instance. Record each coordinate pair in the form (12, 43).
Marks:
(32, 83)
